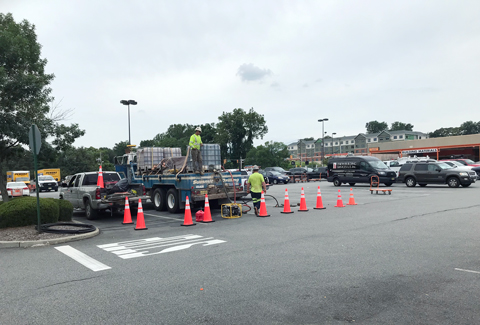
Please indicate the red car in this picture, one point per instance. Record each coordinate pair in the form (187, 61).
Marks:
(466, 162)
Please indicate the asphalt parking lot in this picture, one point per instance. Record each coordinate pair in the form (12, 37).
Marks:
(406, 258)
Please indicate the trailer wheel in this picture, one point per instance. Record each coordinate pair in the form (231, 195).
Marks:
(159, 199)
(173, 201)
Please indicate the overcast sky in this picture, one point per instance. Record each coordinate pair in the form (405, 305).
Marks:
(293, 61)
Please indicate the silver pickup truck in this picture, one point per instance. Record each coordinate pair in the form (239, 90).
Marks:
(82, 191)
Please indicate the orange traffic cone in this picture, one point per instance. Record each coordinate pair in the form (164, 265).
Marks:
(319, 205)
(351, 201)
(286, 204)
(339, 201)
(303, 203)
(127, 217)
(187, 221)
(207, 216)
(263, 208)
(100, 178)
(140, 217)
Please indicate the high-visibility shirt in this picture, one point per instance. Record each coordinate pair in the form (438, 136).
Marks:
(256, 180)
(195, 141)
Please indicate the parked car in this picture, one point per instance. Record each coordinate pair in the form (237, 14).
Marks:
(276, 169)
(466, 162)
(460, 166)
(276, 177)
(358, 169)
(434, 173)
(17, 189)
(316, 173)
(265, 176)
(47, 183)
(298, 171)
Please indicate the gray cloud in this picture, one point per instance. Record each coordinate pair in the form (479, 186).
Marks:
(249, 72)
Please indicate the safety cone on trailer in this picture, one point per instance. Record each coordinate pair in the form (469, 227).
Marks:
(263, 208)
(127, 217)
(187, 220)
(207, 216)
(286, 204)
(351, 200)
(319, 205)
(339, 201)
(140, 217)
(100, 178)
(303, 203)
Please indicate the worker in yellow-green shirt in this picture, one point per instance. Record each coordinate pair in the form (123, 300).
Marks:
(195, 144)
(255, 184)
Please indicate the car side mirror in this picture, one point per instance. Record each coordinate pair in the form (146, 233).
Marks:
(438, 169)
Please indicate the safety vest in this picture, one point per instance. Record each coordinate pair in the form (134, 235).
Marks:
(195, 141)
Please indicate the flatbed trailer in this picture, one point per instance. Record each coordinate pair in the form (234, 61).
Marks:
(170, 191)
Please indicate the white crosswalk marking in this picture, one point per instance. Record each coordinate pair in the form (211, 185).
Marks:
(151, 246)
(82, 258)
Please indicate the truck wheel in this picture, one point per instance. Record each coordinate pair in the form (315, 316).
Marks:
(89, 212)
(453, 182)
(160, 199)
(336, 182)
(173, 201)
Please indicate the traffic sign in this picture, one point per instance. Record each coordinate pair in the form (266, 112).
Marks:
(35, 139)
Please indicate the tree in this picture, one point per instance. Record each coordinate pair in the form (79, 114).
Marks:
(469, 127)
(268, 155)
(25, 94)
(400, 126)
(375, 126)
(237, 130)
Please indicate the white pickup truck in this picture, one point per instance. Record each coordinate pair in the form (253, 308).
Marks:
(82, 191)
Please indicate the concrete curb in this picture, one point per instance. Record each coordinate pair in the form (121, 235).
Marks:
(46, 242)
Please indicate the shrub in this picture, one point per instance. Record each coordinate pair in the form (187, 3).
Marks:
(22, 211)
(65, 210)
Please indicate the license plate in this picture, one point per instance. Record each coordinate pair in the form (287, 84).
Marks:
(203, 192)
(393, 178)
(49, 188)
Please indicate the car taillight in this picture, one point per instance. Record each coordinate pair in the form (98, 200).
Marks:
(144, 190)
(97, 194)
(25, 188)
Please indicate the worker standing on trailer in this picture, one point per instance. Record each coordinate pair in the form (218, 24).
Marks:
(256, 182)
(195, 144)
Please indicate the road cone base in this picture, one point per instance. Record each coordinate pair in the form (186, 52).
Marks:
(286, 212)
(207, 221)
(193, 224)
(351, 204)
(141, 228)
(127, 223)
(303, 210)
(319, 208)
(339, 206)
(259, 216)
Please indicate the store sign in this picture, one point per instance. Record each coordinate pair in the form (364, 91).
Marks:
(406, 152)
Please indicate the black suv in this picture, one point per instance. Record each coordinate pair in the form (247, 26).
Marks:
(433, 173)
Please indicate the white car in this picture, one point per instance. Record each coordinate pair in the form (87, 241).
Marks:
(17, 189)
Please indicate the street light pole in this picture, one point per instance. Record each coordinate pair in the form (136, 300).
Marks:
(323, 139)
(128, 103)
(333, 142)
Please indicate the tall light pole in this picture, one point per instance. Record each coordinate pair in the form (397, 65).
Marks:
(323, 139)
(128, 102)
(333, 143)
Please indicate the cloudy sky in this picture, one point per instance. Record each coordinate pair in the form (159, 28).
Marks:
(293, 61)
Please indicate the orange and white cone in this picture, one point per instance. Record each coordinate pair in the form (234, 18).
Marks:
(140, 217)
(319, 205)
(263, 208)
(286, 204)
(187, 220)
(207, 216)
(339, 201)
(100, 178)
(351, 200)
(303, 203)
(127, 217)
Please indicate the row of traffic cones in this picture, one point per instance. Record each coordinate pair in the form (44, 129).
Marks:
(127, 217)
(204, 217)
(319, 205)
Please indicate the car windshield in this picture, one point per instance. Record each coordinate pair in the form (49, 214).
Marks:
(377, 164)
(468, 161)
(456, 163)
(444, 165)
(45, 178)
(16, 185)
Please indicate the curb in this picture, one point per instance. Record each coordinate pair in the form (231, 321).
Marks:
(46, 242)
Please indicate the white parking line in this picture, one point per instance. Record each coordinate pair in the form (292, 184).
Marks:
(469, 271)
(162, 217)
(82, 258)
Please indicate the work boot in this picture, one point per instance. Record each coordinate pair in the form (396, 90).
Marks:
(256, 211)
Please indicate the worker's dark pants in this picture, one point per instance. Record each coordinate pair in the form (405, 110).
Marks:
(197, 159)
(256, 198)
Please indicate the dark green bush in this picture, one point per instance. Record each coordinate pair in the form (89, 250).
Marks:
(65, 210)
(22, 211)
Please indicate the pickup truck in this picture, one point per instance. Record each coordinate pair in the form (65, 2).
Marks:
(82, 191)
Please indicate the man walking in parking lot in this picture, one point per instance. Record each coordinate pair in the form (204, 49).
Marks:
(195, 144)
(256, 182)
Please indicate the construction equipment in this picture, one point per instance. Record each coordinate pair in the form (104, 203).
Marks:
(375, 186)
(231, 210)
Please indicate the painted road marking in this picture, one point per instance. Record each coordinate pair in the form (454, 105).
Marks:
(144, 247)
(82, 258)
(469, 271)
(163, 217)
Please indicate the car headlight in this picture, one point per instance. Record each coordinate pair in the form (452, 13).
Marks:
(382, 173)
(463, 174)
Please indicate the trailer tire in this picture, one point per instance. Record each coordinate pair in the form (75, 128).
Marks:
(173, 201)
(159, 199)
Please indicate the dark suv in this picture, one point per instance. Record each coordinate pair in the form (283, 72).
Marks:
(433, 173)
